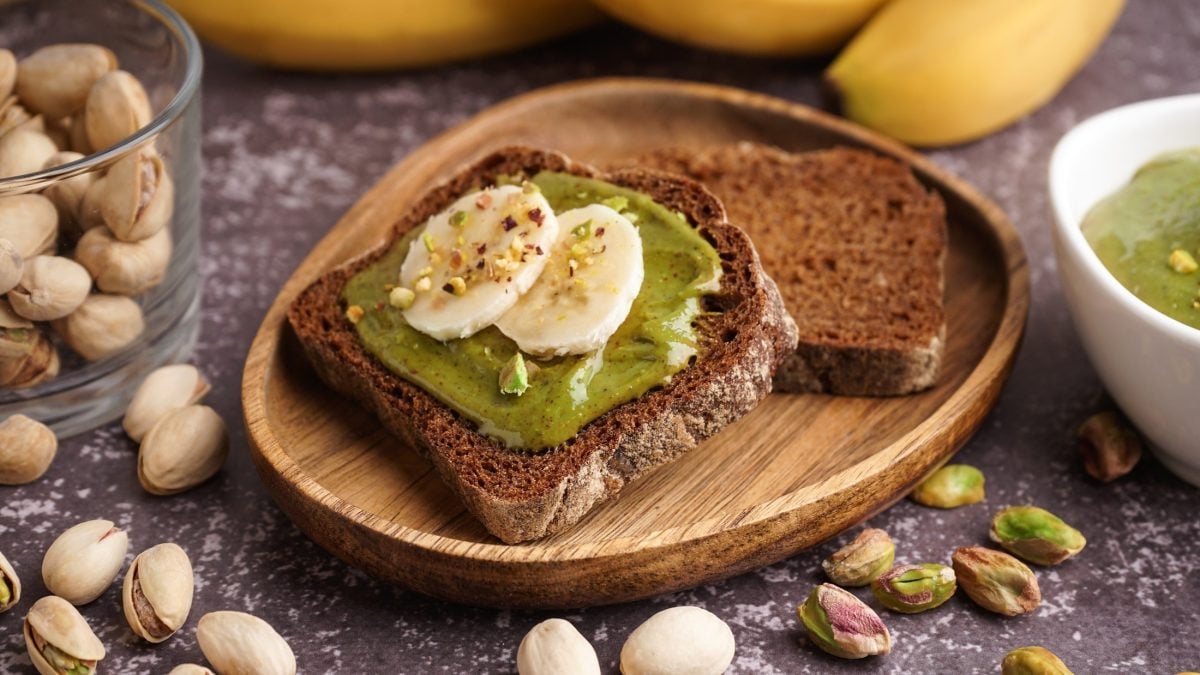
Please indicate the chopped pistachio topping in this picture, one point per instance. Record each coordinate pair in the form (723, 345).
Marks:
(457, 286)
(423, 284)
(458, 218)
(401, 298)
(427, 239)
(425, 272)
(617, 203)
(1183, 262)
(514, 377)
(530, 188)
(582, 230)
(354, 313)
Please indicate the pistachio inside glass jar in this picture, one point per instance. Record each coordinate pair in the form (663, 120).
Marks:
(99, 169)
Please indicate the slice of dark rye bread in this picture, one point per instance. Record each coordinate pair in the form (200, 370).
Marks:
(520, 496)
(857, 245)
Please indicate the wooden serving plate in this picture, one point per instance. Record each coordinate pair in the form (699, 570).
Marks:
(796, 471)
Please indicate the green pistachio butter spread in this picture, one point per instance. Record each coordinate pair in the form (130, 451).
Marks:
(1148, 234)
(656, 340)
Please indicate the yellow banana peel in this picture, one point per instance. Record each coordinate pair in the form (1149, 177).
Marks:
(941, 72)
(756, 27)
(379, 34)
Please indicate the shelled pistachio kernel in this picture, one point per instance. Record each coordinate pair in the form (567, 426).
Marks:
(951, 486)
(859, 562)
(1033, 661)
(996, 581)
(59, 640)
(842, 625)
(10, 585)
(27, 448)
(1109, 447)
(1035, 535)
(514, 376)
(910, 589)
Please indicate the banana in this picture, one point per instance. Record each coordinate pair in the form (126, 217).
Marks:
(473, 260)
(757, 27)
(379, 34)
(587, 289)
(938, 72)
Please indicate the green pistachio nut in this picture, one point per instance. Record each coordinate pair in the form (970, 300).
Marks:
(514, 377)
(5, 592)
(950, 487)
(1109, 447)
(996, 581)
(910, 589)
(859, 562)
(1036, 535)
(843, 625)
(1033, 661)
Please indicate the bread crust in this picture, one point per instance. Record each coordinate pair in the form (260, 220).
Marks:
(520, 496)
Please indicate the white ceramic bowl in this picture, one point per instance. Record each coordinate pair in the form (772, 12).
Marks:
(1150, 363)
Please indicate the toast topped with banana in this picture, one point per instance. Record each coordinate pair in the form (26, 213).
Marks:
(545, 333)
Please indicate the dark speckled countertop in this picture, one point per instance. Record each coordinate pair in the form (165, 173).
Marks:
(286, 154)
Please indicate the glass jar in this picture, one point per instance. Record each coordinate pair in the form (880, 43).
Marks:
(128, 214)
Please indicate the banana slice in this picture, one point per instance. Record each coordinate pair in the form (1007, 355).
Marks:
(474, 260)
(586, 291)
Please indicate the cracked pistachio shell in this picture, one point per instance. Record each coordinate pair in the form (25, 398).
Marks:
(81, 564)
(27, 447)
(30, 222)
(236, 643)
(679, 640)
(67, 194)
(51, 287)
(1110, 448)
(124, 267)
(555, 647)
(842, 625)
(996, 581)
(950, 487)
(10, 585)
(117, 107)
(8, 73)
(190, 669)
(910, 589)
(1035, 535)
(24, 150)
(1033, 661)
(12, 264)
(186, 447)
(103, 325)
(157, 593)
(859, 562)
(13, 115)
(136, 196)
(27, 356)
(56, 80)
(163, 390)
(56, 632)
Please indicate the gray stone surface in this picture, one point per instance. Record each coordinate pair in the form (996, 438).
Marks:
(288, 153)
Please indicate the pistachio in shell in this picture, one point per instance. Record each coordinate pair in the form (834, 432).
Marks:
(83, 561)
(859, 562)
(8, 73)
(910, 589)
(190, 669)
(13, 116)
(117, 107)
(67, 194)
(186, 447)
(10, 585)
(55, 80)
(996, 581)
(136, 197)
(163, 390)
(11, 265)
(27, 356)
(30, 222)
(51, 287)
(842, 625)
(59, 640)
(1110, 448)
(77, 135)
(124, 267)
(236, 642)
(102, 326)
(24, 151)
(1036, 535)
(1033, 661)
(27, 448)
(950, 487)
(157, 594)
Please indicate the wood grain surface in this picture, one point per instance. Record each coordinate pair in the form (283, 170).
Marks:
(797, 470)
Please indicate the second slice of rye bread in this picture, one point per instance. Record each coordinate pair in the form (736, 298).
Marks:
(519, 496)
(857, 246)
